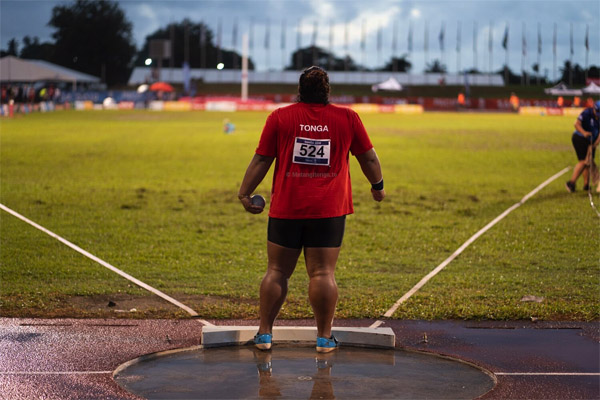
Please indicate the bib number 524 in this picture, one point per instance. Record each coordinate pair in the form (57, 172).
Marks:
(311, 151)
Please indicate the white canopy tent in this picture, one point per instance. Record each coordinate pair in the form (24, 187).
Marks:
(390, 84)
(13, 69)
(592, 88)
(562, 90)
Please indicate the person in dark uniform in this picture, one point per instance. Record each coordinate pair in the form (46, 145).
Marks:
(585, 135)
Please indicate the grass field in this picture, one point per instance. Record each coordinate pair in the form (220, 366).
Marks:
(154, 194)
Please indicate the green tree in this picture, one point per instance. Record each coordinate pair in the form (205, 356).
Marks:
(435, 66)
(510, 78)
(200, 55)
(575, 74)
(313, 55)
(13, 48)
(93, 37)
(399, 64)
(34, 50)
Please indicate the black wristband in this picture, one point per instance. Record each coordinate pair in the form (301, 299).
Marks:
(378, 185)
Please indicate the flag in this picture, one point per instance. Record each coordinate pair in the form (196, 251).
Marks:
(363, 36)
(587, 37)
(441, 36)
(314, 36)
(458, 40)
(410, 37)
(539, 38)
(490, 38)
(394, 35)
(267, 35)
(219, 35)
(554, 41)
(474, 37)
(523, 41)
(346, 37)
(234, 34)
(219, 38)
(426, 38)
(283, 34)
(251, 34)
(505, 39)
(571, 39)
(330, 36)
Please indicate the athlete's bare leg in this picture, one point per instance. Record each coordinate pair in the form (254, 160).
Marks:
(580, 167)
(273, 289)
(322, 289)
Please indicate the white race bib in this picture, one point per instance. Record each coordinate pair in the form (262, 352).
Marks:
(311, 151)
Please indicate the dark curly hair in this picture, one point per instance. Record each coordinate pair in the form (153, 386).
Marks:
(313, 86)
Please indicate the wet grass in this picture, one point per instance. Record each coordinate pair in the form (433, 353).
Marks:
(154, 194)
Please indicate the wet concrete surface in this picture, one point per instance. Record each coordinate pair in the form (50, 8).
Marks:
(298, 372)
(74, 358)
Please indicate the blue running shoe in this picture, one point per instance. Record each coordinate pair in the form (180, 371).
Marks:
(263, 341)
(325, 345)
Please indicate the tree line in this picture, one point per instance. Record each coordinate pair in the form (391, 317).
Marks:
(95, 37)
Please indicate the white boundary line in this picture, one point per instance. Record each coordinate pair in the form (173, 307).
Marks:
(107, 265)
(466, 244)
(547, 373)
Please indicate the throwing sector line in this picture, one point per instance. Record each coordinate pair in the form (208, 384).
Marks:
(107, 265)
(466, 244)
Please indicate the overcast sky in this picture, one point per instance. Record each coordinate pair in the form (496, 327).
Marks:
(377, 18)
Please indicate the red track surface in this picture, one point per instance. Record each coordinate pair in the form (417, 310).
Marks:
(73, 358)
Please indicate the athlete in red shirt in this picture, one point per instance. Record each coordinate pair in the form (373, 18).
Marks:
(311, 195)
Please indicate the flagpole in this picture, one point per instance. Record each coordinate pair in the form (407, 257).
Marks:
(458, 47)
(330, 56)
(234, 35)
(245, 67)
(219, 38)
(394, 44)
(251, 38)
(475, 45)
(426, 50)
(299, 45)
(523, 53)
(539, 53)
(268, 45)
(490, 50)
(554, 53)
(346, 55)
(363, 44)
(282, 47)
(441, 40)
(571, 58)
(505, 45)
(587, 50)
(203, 45)
(314, 43)
(410, 46)
(379, 45)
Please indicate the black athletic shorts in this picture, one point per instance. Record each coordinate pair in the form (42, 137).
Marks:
(581, 146)
(298, 233)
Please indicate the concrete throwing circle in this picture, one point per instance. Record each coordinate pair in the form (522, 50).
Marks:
(243, 372)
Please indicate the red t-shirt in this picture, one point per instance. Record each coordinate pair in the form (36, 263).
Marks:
(311, 143)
